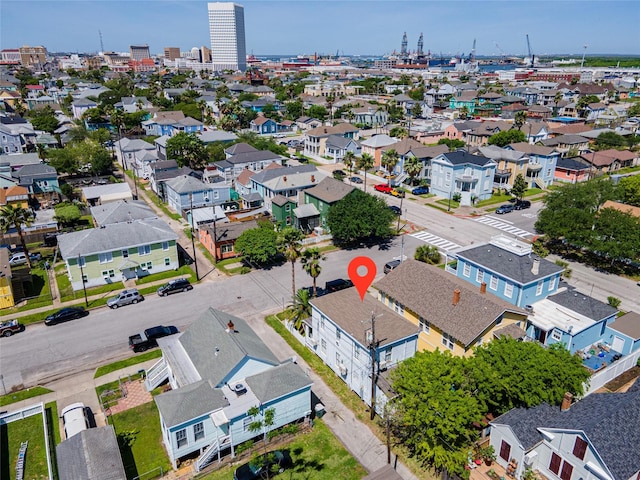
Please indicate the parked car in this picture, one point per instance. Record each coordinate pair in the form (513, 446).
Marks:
(65, 314)
(149, 338)
(522, 204)
(74, 419)
(396, 210)
(174, 286)
(397, 193)
(506, 208)
(379, 187)
(337, 284)
(357, 180)
(21, 258)
(391, 265)
(125, 297)
(420, 190)
(278, 461)
(10, 327)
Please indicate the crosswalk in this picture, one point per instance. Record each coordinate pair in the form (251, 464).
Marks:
(435, 240)
(503, 225)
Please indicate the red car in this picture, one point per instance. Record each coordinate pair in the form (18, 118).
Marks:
(383, 188)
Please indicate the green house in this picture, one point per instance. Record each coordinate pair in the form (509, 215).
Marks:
(282, 210)
(328, 192)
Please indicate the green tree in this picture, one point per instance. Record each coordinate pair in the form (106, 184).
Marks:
(258, 245)
(519, 187)
(389, 161)
(610, 140)
(262, 425)
(289, 243)
(616, 235)
(416, 110)
(64, 160)
(504, 138)
(510, 374)
(365, 162)
(428, 254)
(435, 410)
(413, 167)
(187, 150)
(399, 132)
(293, 110)
(349, 161)
(17, 217)
(358, 217)
(44, 119)
(300, 308)
(520, 119)
(318, 111)
(67, 213)
(311, 259)
(452, 143)
(634, 110)
(630, 187)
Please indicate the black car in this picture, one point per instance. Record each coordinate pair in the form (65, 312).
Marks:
(273, 461)
(174, 286)
(66, 314)
(357, 180)
(338, 284)
(396, 210)
(522, 204)
(506, 208)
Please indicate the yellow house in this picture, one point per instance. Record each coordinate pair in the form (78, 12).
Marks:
(15, 196)
(6, 293)
(451, 313)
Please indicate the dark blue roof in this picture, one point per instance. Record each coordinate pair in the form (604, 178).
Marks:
(460, 157)
(571, 164)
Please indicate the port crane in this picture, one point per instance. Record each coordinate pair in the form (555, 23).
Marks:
(502, 54)
(531, 59)
(472, 55)
(583, 54)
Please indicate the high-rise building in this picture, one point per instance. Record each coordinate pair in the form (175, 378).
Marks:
(139, 52)
(171, 53)
(33, 55)
(226, 28)
(205, 53)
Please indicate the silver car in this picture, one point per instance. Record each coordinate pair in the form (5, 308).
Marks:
(125, 297)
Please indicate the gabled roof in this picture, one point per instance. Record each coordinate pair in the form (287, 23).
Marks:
(114, 237)
(629, 324)
(573, 163)
(210, 332)
(378, 141)
(121, 211)
(565, 139)
(462, 157)
(281, 200)
(231, 230)
(497, 153)
(270, 173)
(325, 131)
(611, 422)
(278, 381)
(433, 151)
(582, 304)
(186, 184)
(338, 141)
(189, 402)
(255, 156)
(428, 291)
(529, 149)
(622, 207)
(32, 171)
(466, 126)
(239, 148)
(330, 190)
(403, 146)
(245, 177)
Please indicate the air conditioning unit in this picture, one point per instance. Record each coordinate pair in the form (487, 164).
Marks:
(313, 342)
(529, 458)
(384, 364)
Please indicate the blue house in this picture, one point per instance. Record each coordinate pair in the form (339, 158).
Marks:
(41, 180)
(624, 334)
(264, 126)
(460, 172)
(186, 192)
(541, 168)
(219, 369)
(509, 270)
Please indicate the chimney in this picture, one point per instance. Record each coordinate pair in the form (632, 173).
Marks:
(230, 327)
(535, 267)
(456, 296)
(566, 402)
(313, 179)
(483, 287)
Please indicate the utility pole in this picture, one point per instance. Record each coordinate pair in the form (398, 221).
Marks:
(399, 216)
(84, 285)
(193, 234)
(373, 347)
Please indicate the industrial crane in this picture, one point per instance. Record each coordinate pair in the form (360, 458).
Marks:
(503, 55)
(531, 58)
(472, 55)
(583, 54)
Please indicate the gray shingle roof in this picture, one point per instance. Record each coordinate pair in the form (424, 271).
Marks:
(186, 184)
(209, 332)
(114, 237)
(231, 230)
(583, 304)
(239, 148)
(271, 173)
(508, 264)
(121, 211)
(611, 421)
(330, 190)
(428, 291)
(189, 402)
(278, 381)
(91, 454)
(249, 157)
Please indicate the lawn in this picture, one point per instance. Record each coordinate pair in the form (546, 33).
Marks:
(145, 451)
(11, 435)
(37, 291)
(169, 274)
(316, 454)
(112, 367)
(22, 395)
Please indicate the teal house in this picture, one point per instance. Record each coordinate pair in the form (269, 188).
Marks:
(328, 192)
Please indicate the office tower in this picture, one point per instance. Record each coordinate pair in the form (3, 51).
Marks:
(139, 52)
(226, 28)
(205, 53)
(171, 53)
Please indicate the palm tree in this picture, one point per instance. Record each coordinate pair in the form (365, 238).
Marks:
(16, 216)
(290, 243)
(349, 161)
(311, 259)
(365, 162)
(413, 167)
(520, 119)
(389, 161)
(428, 254)
(300, 308)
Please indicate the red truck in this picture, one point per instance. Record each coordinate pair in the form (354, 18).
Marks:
(10, 327)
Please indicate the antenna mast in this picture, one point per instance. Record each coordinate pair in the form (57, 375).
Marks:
(101, 44)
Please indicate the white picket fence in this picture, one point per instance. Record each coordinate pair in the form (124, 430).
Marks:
(316, 239)
(604, 376)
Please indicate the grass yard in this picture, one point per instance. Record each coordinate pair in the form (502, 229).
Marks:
(145, 451)
(112, 367)
(11, 435)
(22, 395)
(170, 274)
(316, 454)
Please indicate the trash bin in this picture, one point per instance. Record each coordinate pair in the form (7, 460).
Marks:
(319, 408)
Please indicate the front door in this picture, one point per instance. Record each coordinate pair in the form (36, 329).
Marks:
(618, 344)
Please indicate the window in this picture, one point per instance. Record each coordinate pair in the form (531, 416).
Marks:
(82, 261)
(493, 283)
(424, 325)
(467, 270)
(228, 248)
(448, 176)
(167, 261)
(539, 287)
(448, 341)
(479, 276)
(246, 422)
(552, 283)
(198, 431)
(105, 257)
(144, 250)
(508, 290)
(165, 246)
(556, 335)
(323, 345)
(387, 356)
(108, 273)
(580, 448)
(567, 470)
(356, 352)
(398, 308)
(322, 319)
(181, 438)
(125, 253)
(505, 451)
(287, 207)
(337, 336)
(338, 358)
(554, 465)
(146, 266)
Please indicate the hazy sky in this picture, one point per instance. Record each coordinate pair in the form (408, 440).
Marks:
(359, 27)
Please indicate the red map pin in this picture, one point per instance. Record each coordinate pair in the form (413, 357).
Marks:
(362, 282)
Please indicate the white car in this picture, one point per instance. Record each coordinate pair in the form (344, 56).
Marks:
(74, 418)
